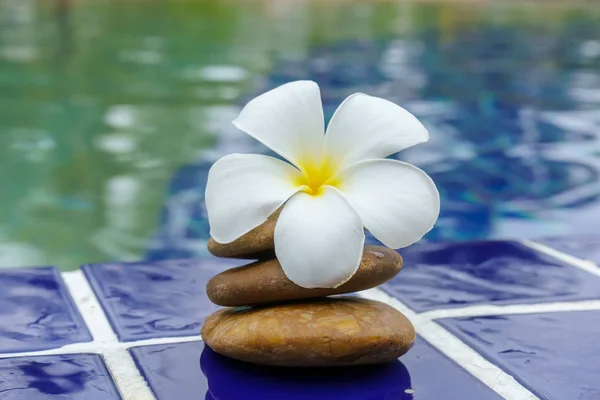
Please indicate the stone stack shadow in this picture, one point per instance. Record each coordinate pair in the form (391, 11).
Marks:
(269, 320)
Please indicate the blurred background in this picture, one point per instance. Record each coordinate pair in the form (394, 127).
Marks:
(112, 111)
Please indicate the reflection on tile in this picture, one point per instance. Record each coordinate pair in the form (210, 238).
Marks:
(65, 377)
(459, 274)
(554, 355)
(155, 299)
(190, 371)
(172, 370)
(585, 247)
(37, 312)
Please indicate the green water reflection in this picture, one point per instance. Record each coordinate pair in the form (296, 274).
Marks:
(101, 100)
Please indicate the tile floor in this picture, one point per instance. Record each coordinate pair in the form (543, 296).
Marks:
(496, 320)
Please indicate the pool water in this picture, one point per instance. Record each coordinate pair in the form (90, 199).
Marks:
(111, 112)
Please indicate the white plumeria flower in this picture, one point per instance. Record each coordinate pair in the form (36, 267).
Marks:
(334, 185)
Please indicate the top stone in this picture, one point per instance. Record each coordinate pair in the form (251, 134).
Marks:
(258, 244)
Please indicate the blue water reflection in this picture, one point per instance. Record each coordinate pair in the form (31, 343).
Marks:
(379, 382)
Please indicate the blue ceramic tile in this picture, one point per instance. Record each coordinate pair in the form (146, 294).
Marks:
(191, 371)
(172, 370)
(585, 247)
(554, 355)
(458, 274)
(59, 377)
(156, 299)
(37, 312)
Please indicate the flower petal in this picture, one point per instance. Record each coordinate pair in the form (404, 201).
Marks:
(243, 190)
(319, 239)
(396, 201)
(288, 119)
(366, 127)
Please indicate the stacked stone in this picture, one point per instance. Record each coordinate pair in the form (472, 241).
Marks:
(272, 321)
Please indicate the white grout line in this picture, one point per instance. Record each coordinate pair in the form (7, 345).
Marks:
(458, 351)
(585, 265)
(127, 377)
(380, 295)
(69, 349)
(130, 383)
(162, 340)
(488, 309)
(455, 349)
(98, 348)
(89, 307)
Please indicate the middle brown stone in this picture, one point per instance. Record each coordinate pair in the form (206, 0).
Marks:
(265, 281)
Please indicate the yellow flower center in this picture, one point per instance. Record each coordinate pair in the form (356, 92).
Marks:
(316, 175)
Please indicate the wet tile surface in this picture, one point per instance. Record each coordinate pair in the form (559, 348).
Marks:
(554, 354)
(190, 371)
(64, 377)
(158, 299)
(584, 247)
(458, 274)
(173, 370)
(37, 312)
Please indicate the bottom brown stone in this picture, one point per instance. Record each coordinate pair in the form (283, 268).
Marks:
(324, 332)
